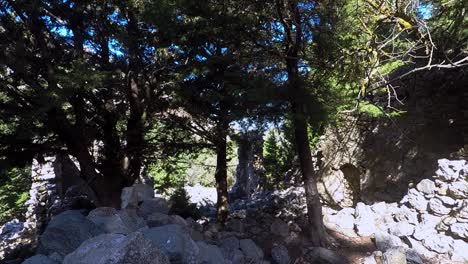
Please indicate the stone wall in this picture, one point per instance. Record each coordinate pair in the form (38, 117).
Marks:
(389, 154)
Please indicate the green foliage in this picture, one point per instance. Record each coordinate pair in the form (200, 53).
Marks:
(14, 191)
(180, 204)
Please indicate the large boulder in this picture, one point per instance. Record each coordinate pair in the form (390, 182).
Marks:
(40, 259)
(394, 256)
(251, 251)
(154, 205)
(230, 248)
(280, 255)
(385, 241)
(65, 233)
(133, 195)
(116, 222)
(426, 186)
(450, 170)
(210, 254)
(279, 228)
(117, 249)
(460, 251)
(175, 242)
(365, 222)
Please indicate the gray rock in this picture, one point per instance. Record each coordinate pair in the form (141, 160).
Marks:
(384, 241)
(401, 229)
(279, 228)
(324, 256)
(458, 189)
(460, 251)
(135, 194)
(369, 260)
(251, 251)
(117, 249)
(65, 233)
(450, 170)
(437, 207)
(175, 242)
(417, 200)
(157, 219)
(210, 254)
(154, 205)
(394, 256)
(178, 220)
(427, 227)
(230, 243)
(419, 248)
(116, 222)
(438, 243)
(459, 230)
(344, 219)
(280, 255)
(40, 259)
(235, 225)
(426, 186)
(404, 214)
(365, 223)
(413, 257)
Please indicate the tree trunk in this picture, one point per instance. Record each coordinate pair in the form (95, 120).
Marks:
(221, 174)
(314, 206)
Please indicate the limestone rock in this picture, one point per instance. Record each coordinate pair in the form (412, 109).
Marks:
(157, 219)
(438, 243)
(426, 186)
(460, 251)
(65, 232)
(417, 200)
(394, 256)
(40, 259)
(251, 251)
(280, 255)
(369, 260)
(210, 254)
(117, 249)
(458, 189)
(135, 194)
(365, 224)
(427, 227)
(114, 221)
(154, 205)
(450, 170)
(401, 229)
(437, 207)
(280, 228)
(460, 230)
(404, 214)
(175, 242)
(385, 241)
(419, 248)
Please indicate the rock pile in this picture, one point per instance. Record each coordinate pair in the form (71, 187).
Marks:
(141, 232)
(430, 222)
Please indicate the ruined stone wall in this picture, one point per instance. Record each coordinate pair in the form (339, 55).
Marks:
(387, 154)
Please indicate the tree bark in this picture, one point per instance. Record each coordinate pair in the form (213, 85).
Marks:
(291, 18)
(221, 173)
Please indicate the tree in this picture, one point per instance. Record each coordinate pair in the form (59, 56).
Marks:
(76, 76)
(215, 84)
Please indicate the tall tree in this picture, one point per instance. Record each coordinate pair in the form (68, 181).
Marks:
(79, 75)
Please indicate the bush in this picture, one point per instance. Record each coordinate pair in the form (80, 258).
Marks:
(14, 191)
(180, 204)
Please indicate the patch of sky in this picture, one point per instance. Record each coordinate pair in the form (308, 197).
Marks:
(425, 10)
(200, 58)
(115, 48)
(117, 18)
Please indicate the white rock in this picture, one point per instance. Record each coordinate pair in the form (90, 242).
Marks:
(437, 207)
(460, 230)
(438, 243)
(394, 256)
(426, 186)
(369, 260)
(404, 214)
(460, 251)
(401, 229)
(365, 223)
(450, 170)
(458, 189)
(427, 227)
(417, 200)
(385, 241)
(420, 248)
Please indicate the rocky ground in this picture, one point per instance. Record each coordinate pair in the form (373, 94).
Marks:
(428, 225)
